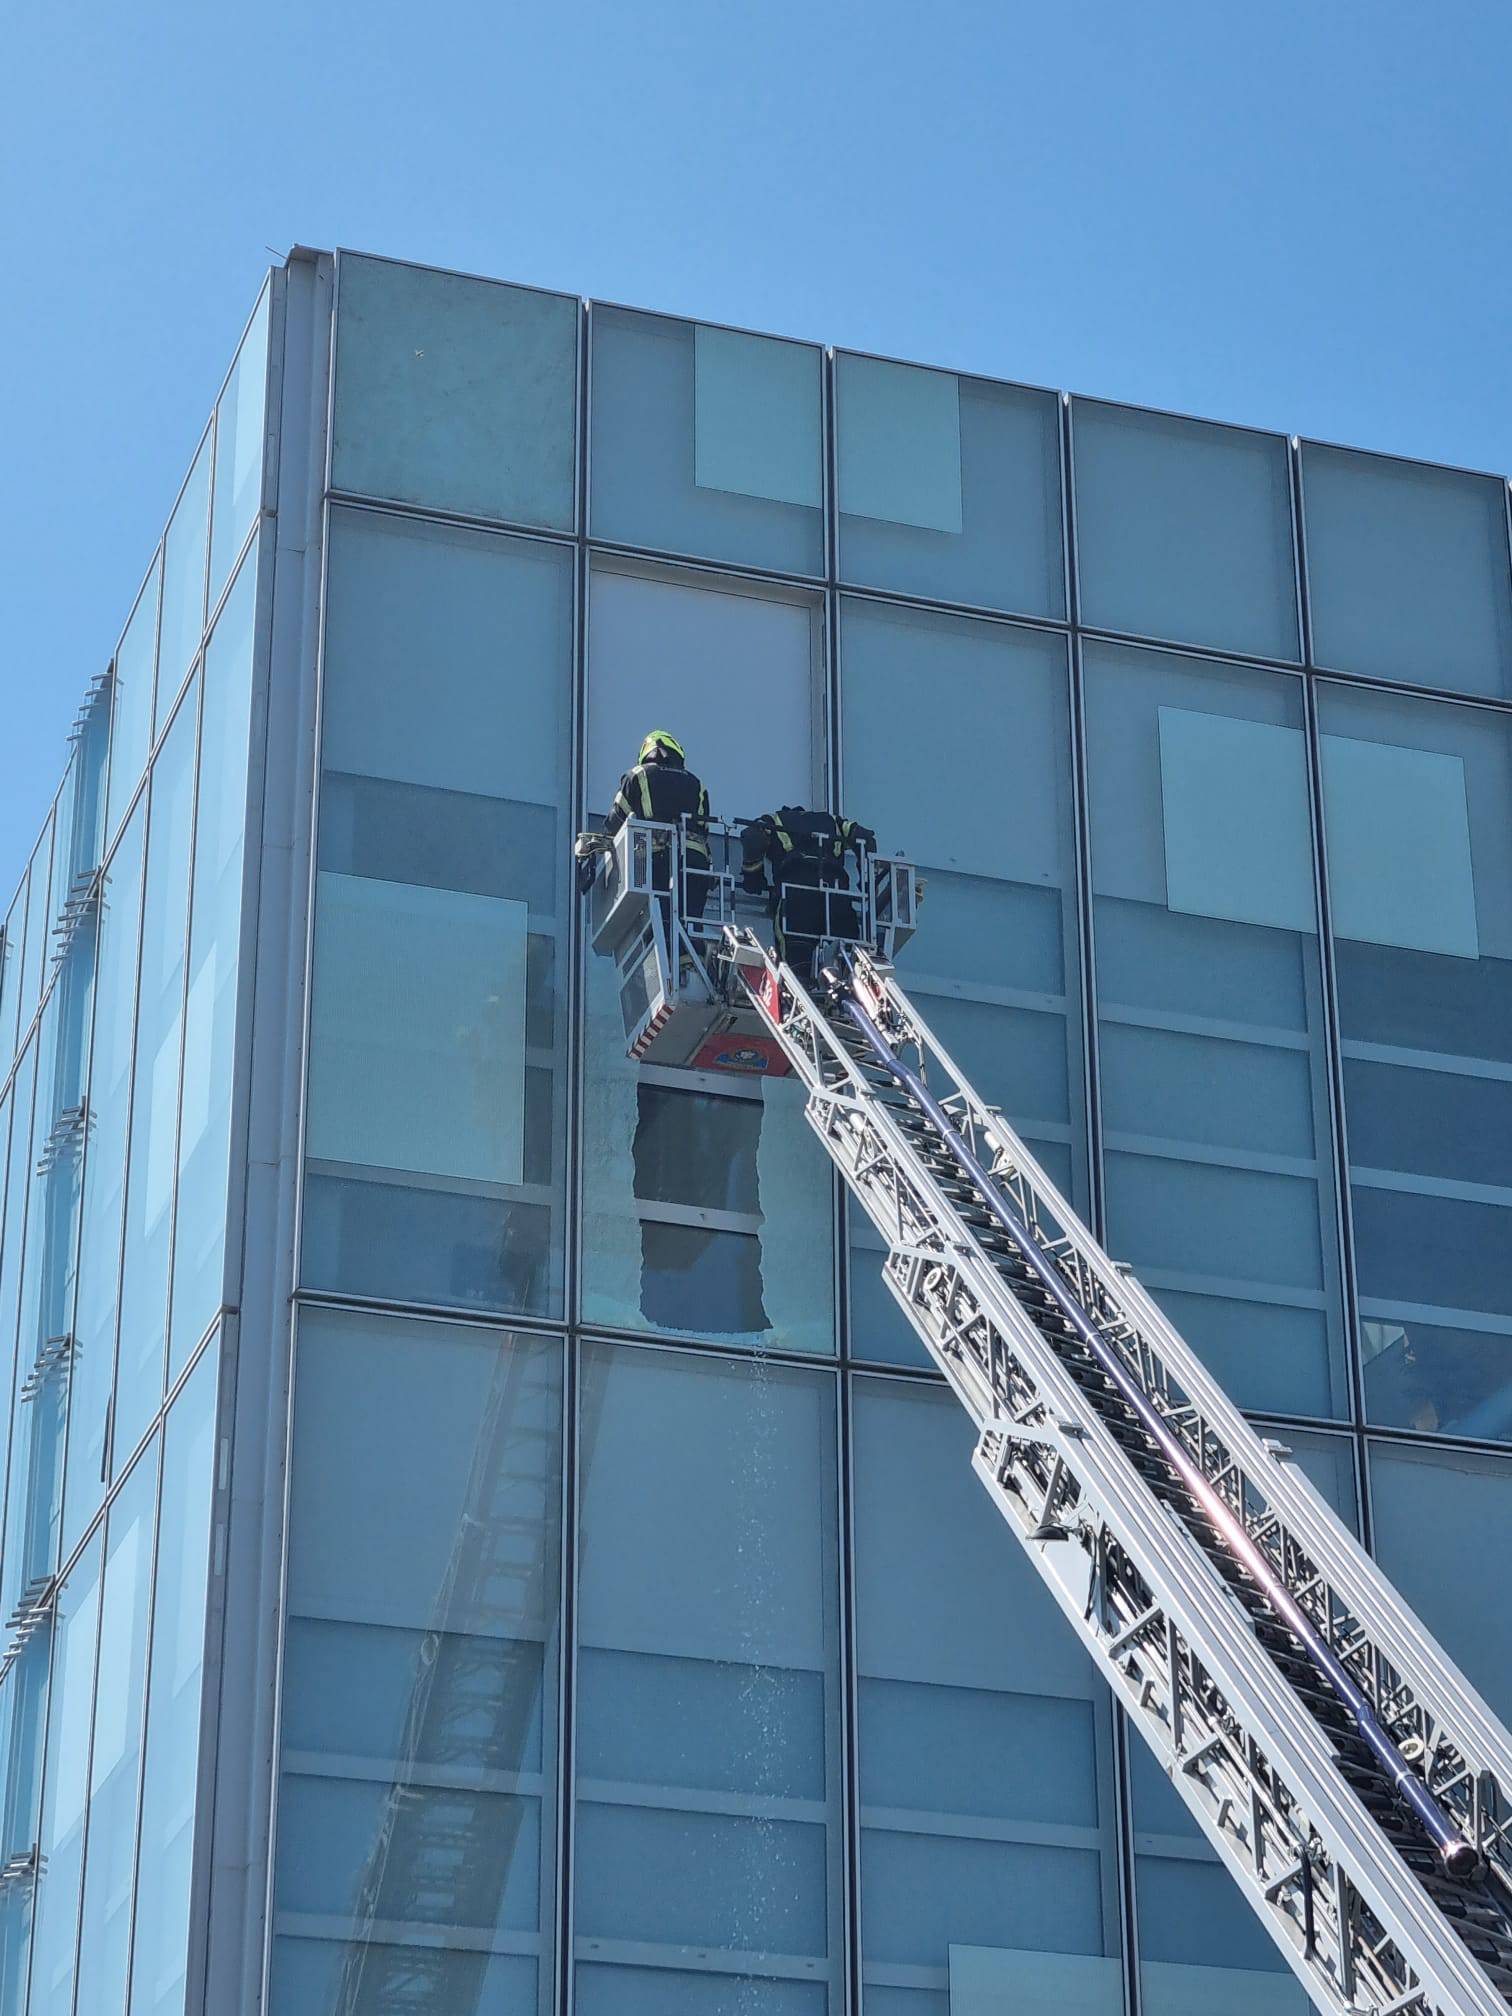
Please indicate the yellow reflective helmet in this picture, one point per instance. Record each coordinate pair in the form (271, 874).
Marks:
(660, 739)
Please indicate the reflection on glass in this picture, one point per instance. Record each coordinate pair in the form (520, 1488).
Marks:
(239, 449)
(707, 442)
(185, 547)
(949, 487)
(39, 925)
(155, 1087)
(95, 1305)
(985, 1741)
(441, 932)
(131, 725)
(1201, 1946)
(12, 1252)
(1214, 1077)
(707, 1829)
(421, 1665)
(1418, 1496)
(1421, 888)
(160, 1939)
(10, 976)
(220, 822)
(115, 1760)
(455, 393)
(23, 1724)
(65, 1787)
(1407, 569)
(996, 964)
(1184, 530)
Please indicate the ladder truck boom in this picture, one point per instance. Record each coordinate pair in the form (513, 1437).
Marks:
(1354, 1784)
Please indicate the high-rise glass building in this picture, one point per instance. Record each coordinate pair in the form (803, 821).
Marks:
(478, 1540)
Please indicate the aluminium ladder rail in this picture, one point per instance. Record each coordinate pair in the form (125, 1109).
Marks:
(1337, 1761)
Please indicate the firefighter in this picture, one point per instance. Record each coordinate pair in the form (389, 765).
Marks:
(662, 787)
(796, 857)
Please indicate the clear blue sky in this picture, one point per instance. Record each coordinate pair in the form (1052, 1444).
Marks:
(1294, 214)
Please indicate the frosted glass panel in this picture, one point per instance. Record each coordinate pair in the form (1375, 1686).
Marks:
(455, 393)
(756, 416)
(707, 442)
(1237, 834)
(1184, 530)
(1408, 571)
(1399, 868)
(664, 655)
(949, 487)
(411, 982)
(900, 434)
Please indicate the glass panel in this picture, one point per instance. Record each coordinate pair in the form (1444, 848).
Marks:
(1407, 571)
(441, 926)
(38, 925)
(729, 1238)
(85, 797)
(239, 449)
(996, 965)
(185, 548)
(210, 1029)
(23, 1723)
(11, 943)
(115, 1761)
(1435, 1518)
(12, 1255)
(651, 646)
(1184, 530)
(707, 442)
(160, 1939)
(1201, 1946)
(41, 1365)
(155, 1088)
(708, 1709)
(988, 1808)
(1423, 950)
(949, 487)
(454, 393)
(1214, 1065)
(1327, 1462)
(65, 1787)
(95, 1305)
(421, 1665)
(131, 725)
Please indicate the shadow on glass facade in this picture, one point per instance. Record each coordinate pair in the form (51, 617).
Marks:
(646, 1645)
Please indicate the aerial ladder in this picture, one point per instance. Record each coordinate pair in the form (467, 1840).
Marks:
(1355, 1785)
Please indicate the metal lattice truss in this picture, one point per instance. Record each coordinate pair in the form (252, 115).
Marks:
(1362, 1919)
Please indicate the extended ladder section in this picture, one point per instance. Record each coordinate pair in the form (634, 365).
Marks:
(1356, 1786)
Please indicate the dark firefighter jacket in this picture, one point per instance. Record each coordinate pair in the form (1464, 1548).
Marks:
(799, 846)
(661, 789)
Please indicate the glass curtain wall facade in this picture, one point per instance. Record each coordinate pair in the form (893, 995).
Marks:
(118, 1031)
(629, 1527)
(646, 1647)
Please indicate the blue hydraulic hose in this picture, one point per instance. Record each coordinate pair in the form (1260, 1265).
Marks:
(1458, 1855)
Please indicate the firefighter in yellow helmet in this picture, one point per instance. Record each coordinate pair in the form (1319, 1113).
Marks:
(662, 787)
